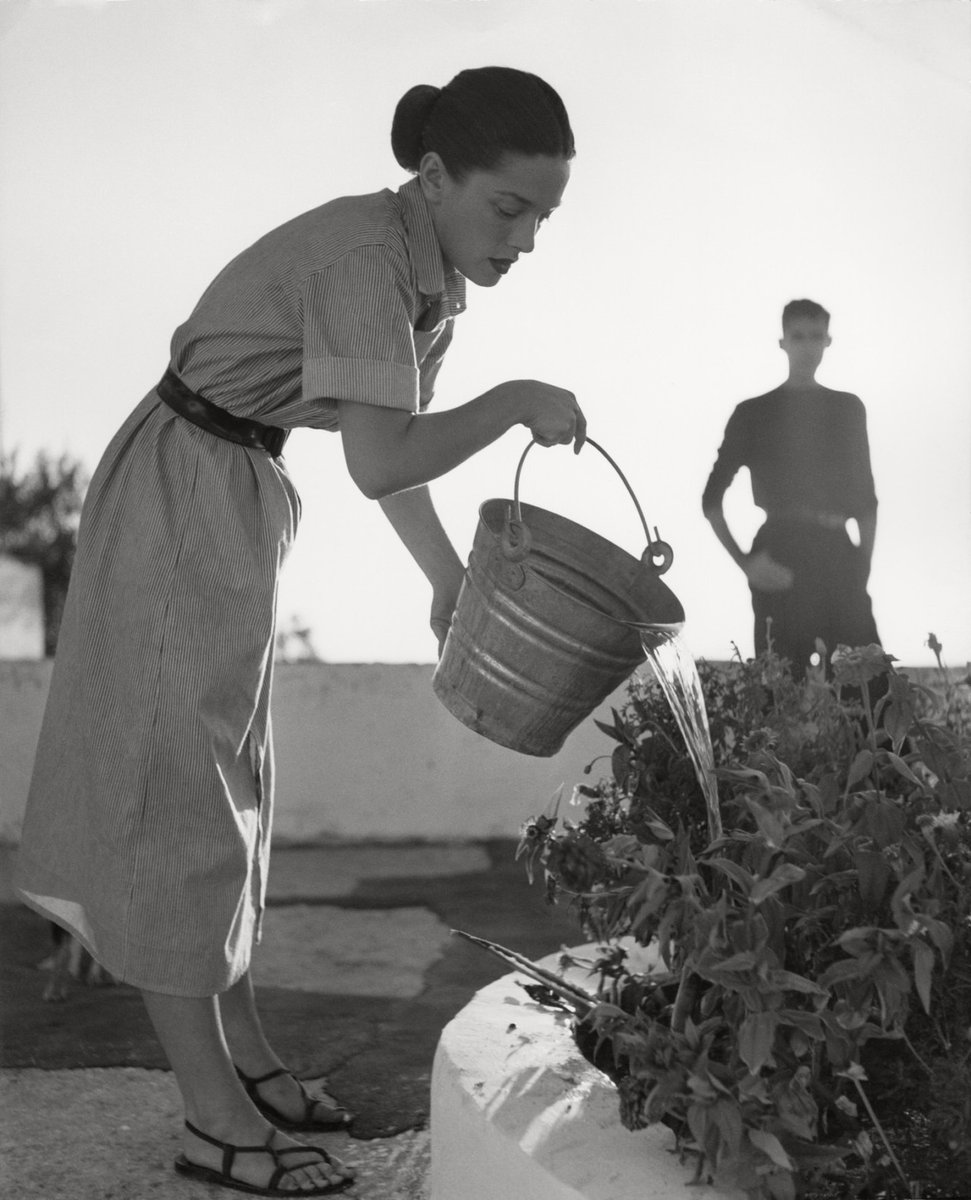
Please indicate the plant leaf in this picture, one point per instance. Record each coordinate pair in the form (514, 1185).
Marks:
(755, 1038)
(860, 767)
(795, 983)
(770, 827)
(900, 766)
(781, 1185)
(769, 1144)
(848, 968)
(874, 872)
(807, 1023)
(743, 961)
(734, 872)
(923, 970)
(781, 877)
(728, 1118)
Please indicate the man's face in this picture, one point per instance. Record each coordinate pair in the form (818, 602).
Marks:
(804, 340)
(487, 220)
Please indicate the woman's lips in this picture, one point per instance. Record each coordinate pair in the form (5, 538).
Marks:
(501, 265)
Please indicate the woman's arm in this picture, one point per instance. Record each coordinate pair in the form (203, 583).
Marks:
(414, 519)
(388, 450)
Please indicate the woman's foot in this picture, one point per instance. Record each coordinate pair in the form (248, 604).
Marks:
(257, 1154)
(284, 1100)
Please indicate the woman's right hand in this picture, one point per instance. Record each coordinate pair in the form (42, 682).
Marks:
(551, 414)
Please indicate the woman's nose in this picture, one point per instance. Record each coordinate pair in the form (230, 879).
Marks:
(523, 236)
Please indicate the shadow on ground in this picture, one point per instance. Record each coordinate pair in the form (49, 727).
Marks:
(376, 1051)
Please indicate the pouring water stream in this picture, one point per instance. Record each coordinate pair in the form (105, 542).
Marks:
(677, 676)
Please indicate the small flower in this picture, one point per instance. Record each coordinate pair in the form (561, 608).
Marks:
(855, 1072)
(759, 739)
(533, 836)
(535, 829)
(856, 666)
(945, 820)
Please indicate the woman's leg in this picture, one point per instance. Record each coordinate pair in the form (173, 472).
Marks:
(191, 1033)
(255, 1057)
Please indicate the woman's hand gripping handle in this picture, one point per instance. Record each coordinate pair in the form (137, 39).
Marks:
(551, 414)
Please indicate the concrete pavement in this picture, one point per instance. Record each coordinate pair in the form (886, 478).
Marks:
(356, 977)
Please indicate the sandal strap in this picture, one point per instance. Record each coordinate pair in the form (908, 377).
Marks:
(256, 1080)
(252, 1084)
(213, 1141)
(311, 1102)
(277, 1153)
(230, 1151)
(325, 1158)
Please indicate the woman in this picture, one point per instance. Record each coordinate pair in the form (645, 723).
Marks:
(148, 821)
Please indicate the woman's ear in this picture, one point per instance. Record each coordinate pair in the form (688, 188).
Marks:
(433, 177)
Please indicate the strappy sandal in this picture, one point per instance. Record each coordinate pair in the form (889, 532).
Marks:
(225, 1177)
(308, 1122)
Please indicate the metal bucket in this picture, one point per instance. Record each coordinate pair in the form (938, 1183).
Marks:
(548, 622)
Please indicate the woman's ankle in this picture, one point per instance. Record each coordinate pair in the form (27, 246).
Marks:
(233, 1127)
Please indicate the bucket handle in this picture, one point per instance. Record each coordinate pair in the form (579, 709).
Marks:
(516, 539)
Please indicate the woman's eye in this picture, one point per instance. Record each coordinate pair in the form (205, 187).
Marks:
(505, 212)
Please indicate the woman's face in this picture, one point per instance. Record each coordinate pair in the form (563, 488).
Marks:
(488, 219)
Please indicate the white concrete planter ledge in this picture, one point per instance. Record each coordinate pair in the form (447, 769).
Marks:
(517, 1112)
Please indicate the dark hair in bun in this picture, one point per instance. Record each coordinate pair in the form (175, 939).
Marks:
(408, 127)
(481, 115)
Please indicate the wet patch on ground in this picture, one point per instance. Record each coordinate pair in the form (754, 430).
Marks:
(378, 921)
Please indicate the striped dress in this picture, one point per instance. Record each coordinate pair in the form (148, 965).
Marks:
(147, 826)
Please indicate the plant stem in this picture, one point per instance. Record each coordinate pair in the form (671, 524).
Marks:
(913, 1049)
(879, 1128)
(687, 989)
(868, 709)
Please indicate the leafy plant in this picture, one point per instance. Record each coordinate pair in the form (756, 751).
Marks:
(812, 957)
(39, 513)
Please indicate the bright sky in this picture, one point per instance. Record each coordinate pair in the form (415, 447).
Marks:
(732, 155)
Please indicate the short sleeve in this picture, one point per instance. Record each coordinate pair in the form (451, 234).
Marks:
(431, 364)
(358, 341)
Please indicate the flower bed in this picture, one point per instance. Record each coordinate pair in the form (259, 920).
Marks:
(816, 957)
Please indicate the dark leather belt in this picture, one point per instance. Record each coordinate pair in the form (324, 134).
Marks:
(216, 420)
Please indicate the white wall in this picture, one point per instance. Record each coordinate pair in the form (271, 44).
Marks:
(362, 751)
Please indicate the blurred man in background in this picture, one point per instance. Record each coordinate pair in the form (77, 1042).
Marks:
(807, 452)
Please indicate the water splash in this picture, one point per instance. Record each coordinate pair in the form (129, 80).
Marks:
(677, 675)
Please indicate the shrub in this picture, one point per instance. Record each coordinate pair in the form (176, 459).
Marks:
(823, 938)
(39, 514)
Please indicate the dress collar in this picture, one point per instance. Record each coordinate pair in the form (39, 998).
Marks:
(426, 254)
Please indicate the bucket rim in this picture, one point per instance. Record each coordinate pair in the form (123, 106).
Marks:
(639, 564)
(549, 512)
